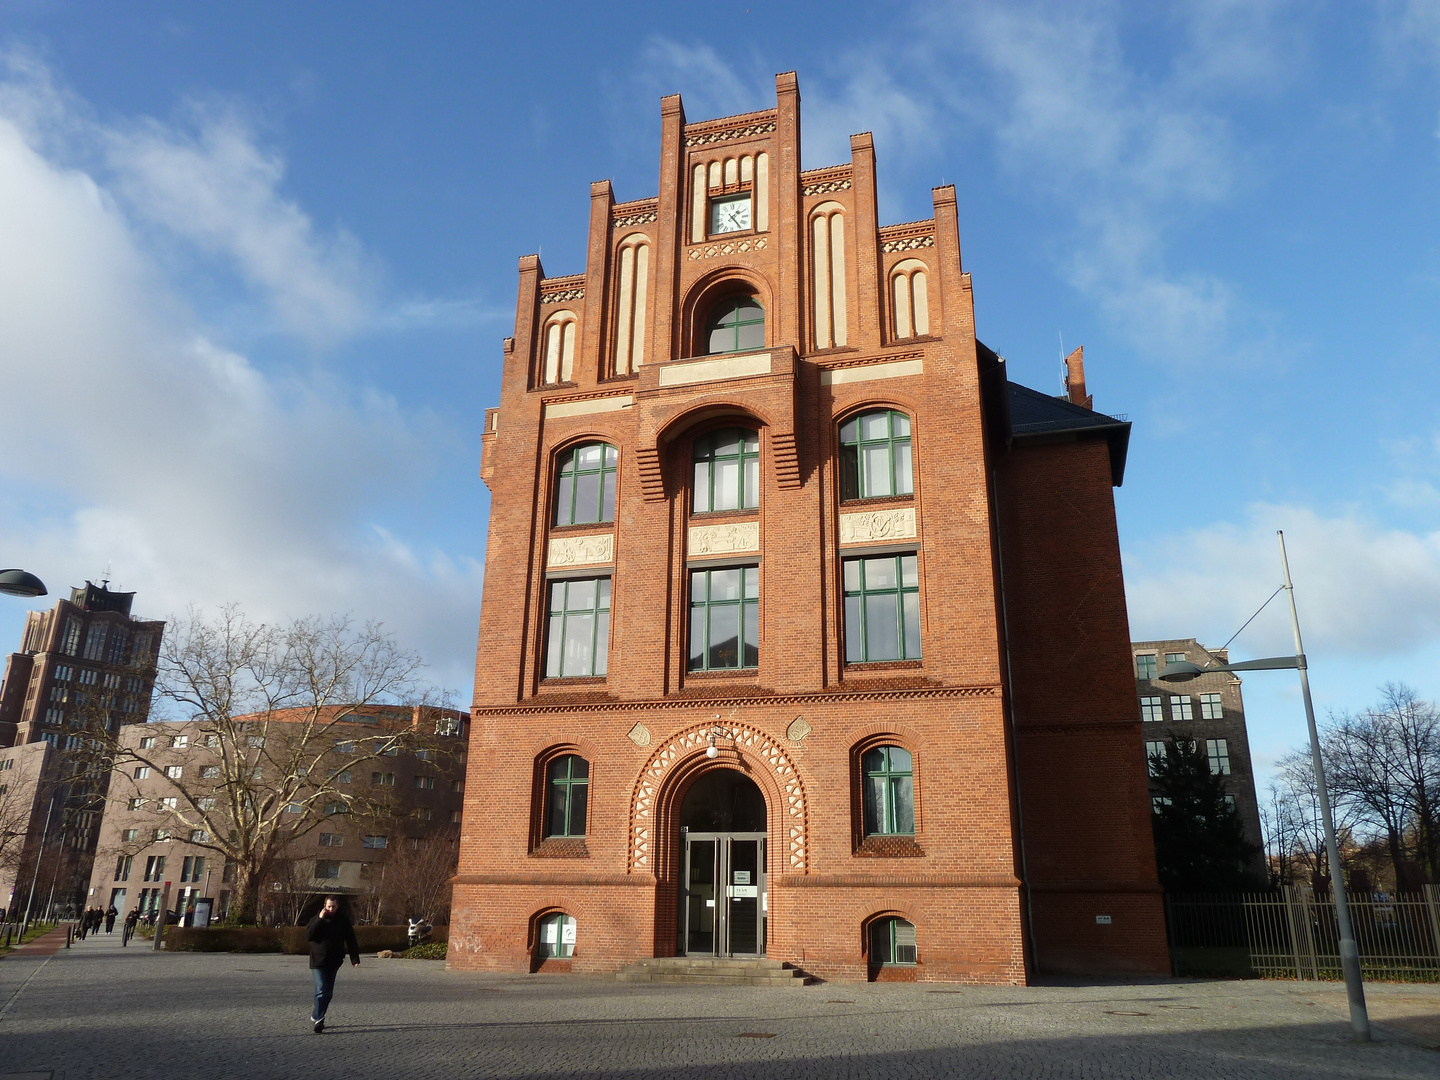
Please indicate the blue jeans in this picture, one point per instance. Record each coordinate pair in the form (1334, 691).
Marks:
(324, 990)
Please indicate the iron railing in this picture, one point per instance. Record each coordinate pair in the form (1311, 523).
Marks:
(1291, 934)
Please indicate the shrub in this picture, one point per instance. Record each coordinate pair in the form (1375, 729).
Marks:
(432, 950)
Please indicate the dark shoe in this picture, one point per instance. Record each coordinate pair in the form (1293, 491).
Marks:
(319, 1026)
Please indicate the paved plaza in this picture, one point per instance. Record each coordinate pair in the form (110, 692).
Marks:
(99, 1011)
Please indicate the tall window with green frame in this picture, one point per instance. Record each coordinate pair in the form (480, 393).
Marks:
(727, 471)
(579, 630)
(889, 792)
(882, 608)
(567, 789)
(725, 618)
(735, 325)
(585, 487)
(875, 457)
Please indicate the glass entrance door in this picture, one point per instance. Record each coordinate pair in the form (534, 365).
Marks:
(723, 903)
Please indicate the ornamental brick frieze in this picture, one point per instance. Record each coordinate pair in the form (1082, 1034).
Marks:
(724, 539)
(636, 213)
(909, 243)
(825, 187)
(580, 550)
(730, 247)
(563, 296)
(535, 707)
(749, 742)
(878, 526)
(745, 131)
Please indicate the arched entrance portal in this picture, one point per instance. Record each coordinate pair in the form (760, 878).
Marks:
(722, 885)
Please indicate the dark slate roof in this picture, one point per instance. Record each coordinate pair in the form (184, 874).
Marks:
(1040, 417)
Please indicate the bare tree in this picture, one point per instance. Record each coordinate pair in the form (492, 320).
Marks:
(1386, 759)
(17, 799)
(1295, 807)
(418, 873)
(275, 709)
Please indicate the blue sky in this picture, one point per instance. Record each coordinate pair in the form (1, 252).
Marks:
(256, 262)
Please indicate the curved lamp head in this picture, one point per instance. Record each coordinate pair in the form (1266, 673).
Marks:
(19, 583)
(1181, 671)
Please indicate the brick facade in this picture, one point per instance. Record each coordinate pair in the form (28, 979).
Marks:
(1011, 523)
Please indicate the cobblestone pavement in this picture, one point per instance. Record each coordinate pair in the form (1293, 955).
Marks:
(99, 1011)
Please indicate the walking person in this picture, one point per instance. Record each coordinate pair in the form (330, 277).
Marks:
(331, 936)
(111, 914)
(132, 920)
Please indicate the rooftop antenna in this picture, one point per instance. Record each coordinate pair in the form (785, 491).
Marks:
(105, 577)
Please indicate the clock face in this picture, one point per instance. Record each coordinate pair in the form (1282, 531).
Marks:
(730, 215)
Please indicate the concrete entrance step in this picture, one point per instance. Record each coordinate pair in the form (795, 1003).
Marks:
(715, 971)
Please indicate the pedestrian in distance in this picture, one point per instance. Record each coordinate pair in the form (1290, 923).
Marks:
(132, 920)
(331, 936)
(111, 913)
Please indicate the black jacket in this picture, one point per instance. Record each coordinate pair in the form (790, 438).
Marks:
(330, 939)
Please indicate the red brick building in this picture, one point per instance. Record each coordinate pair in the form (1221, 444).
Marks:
(804, 633)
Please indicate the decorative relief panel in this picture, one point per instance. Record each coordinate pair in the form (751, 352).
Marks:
(563, 296)
(732, 133)
(746, 740)
(724, 539)
(639, 735)
(825, 187)
(709, 251)
(798, 729)
(908, 243)
(580, 550)
(878, 526)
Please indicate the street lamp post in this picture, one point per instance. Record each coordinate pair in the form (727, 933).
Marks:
(20, 583)
(1183, 671)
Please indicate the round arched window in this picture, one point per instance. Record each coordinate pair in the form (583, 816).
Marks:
(736, 325)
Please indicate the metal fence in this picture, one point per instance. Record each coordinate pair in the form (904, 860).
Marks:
(1292, 934)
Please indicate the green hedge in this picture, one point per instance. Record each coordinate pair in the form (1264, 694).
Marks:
(280, 939)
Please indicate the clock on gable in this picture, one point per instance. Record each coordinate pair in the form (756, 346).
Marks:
(730, 214)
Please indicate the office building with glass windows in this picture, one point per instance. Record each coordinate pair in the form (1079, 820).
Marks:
(804, 633)
(84, 668)
(1210, 710)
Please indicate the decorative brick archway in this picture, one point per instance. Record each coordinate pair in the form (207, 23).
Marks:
(748, 742)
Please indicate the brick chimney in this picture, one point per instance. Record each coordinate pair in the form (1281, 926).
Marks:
(1075, 380)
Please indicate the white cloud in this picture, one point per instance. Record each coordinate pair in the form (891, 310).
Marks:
(1362, 589)
(215, 187)
(159, 450)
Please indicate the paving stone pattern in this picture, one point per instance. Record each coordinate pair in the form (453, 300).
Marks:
(97, 1011)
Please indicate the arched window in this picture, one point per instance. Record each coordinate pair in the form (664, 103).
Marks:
(567, 787)
(736, 325)
(889, 792)
(911, 299)
(892, 943)
(560, 347)
(727, 471)
(556, 937)
(827, 252)
(632, 304)
(585, 488)
(875, 457)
